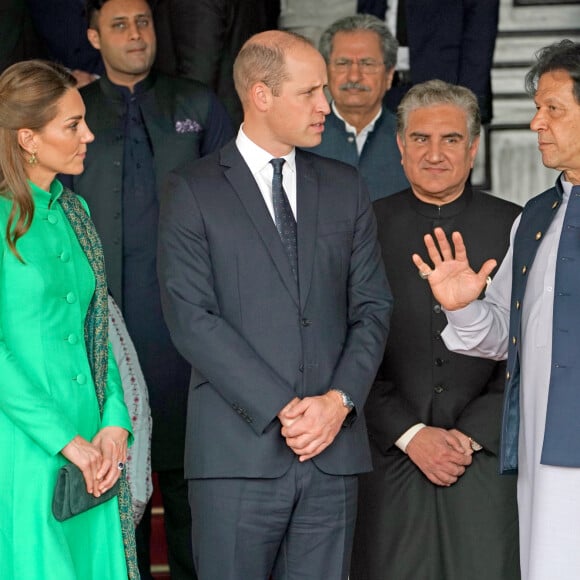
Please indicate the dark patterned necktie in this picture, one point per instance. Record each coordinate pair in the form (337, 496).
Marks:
(283, 216)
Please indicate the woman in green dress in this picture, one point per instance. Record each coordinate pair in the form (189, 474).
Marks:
(61, 398)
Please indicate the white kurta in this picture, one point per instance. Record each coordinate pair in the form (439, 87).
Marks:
(548, 496)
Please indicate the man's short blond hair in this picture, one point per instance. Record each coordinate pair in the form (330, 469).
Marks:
(263, 59)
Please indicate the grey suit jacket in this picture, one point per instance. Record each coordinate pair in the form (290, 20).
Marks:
(235, 312)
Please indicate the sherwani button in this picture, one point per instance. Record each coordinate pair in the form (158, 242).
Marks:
(524, 269)
(514, 340)
(72, 339)
(507, 375)
(71, 298)
(52, 218)
(81, 379)
(65, 256)
(538, 235)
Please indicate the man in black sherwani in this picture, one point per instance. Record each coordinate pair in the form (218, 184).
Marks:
(435, 507)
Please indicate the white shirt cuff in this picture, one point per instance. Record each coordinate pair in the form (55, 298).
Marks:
(406, 437)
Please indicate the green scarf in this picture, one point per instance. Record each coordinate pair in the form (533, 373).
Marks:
(97, 343)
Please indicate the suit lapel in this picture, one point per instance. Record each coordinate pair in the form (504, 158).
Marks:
(242, 181)
(307, 202)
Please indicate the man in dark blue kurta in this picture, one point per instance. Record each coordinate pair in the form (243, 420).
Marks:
(145, 125)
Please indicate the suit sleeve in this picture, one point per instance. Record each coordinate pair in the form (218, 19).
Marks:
(370, 303)
(387, 413)
(192, 312)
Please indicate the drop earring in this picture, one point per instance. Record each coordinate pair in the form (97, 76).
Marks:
(32, 160)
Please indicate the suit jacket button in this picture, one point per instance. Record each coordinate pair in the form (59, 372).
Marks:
(301, 368)
(438, 389)
(305, 322)
(437, 308)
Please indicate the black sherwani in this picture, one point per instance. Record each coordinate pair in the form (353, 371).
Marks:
(409, 528)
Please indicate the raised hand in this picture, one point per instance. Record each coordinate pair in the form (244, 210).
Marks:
(453, 283)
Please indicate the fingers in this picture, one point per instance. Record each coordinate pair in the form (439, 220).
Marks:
(445, 246)
(319, 420)
(438, 252)
(87, 457)
(112, 442)
(463, 439)
(307, 447)
(439, 455)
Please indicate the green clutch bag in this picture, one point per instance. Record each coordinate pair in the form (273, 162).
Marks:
(71, 496)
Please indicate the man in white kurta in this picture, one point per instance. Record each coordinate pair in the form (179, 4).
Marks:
(546, 494)
(548, 498)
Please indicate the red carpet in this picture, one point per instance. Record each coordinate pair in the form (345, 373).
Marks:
(159, 567)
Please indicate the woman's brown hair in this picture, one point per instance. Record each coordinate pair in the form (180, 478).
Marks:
(29, 92)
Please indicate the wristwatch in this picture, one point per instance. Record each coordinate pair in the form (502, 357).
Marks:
(346, 400)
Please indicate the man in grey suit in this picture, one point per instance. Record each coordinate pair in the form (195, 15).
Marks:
(285, 322)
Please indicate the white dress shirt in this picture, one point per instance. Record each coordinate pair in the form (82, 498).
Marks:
(258, 161)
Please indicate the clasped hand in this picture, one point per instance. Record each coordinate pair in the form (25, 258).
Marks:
(99, 459)
(311, 424)
(440, 454)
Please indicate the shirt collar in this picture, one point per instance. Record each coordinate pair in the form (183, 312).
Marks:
(350, 128)
(257, 158)
(442, 211)
(118, 92)
(566, 187)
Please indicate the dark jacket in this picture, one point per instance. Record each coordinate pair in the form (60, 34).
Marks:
(419, 379)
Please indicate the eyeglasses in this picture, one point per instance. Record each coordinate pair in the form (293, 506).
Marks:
(365, 65)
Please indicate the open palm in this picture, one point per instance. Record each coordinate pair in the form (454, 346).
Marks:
(453, 283)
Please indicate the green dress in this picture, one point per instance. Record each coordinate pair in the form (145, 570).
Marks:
(47, 397)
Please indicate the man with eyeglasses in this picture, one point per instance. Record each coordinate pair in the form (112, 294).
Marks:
(360, 55)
